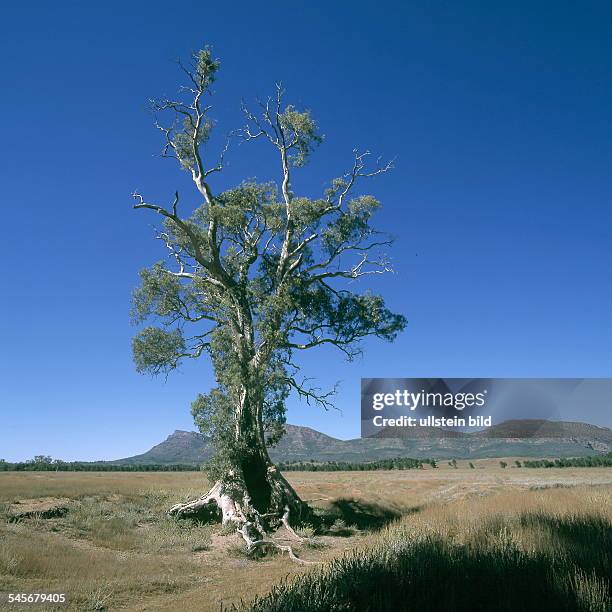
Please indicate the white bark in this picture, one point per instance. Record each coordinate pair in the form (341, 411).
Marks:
(248, 521)
(218, 497)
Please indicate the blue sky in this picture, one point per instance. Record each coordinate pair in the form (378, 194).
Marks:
(499, 115)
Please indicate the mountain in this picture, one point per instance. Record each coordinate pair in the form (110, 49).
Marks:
(191, 447)
(178, 447)
(541, 428)
(305, 442)
(418, 433)
(517, 438)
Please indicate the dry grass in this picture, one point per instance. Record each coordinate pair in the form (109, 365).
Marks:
(75, 485)
(31, 560)
(543, 550)
(114, 549)
(462, 520)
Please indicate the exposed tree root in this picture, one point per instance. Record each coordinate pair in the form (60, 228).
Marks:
(250, 523)
(285, 522)
(215, 501)
(271, 544)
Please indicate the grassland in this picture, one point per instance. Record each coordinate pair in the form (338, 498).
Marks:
(113, 548)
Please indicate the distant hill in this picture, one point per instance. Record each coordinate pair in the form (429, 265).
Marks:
(541, 428)
(178, 447)
(520, 438)
(191, 447)
(418, 433)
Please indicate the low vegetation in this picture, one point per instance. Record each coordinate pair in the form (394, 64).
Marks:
(105, 540)
(105, 549)
(536, 552)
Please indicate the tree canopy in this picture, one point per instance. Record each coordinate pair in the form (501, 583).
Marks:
(256, 273)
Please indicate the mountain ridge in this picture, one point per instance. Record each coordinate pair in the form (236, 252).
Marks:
(524, 437)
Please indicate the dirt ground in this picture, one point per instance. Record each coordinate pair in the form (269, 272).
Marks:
(102, 538)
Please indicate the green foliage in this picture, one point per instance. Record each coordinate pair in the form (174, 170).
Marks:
(184, 139)
(41, 460)
(354, 225)
(503, 464)
(194, 133)
(57, 465)
(301, 128)
(159, 294)
(257, 273)
(157, 350)
(591, 461)
(399, 463)
(213, 414)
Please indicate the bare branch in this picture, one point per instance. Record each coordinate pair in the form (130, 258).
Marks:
(193, 239)
(337, 195)
(312, 394)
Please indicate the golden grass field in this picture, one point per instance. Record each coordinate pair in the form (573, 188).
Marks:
(115, 549)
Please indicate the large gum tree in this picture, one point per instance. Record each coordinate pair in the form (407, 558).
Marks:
(254, 275)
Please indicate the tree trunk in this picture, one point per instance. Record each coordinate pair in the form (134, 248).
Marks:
(253, 494)
(255, 487)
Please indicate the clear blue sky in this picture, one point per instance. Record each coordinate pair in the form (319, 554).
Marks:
(499, 114)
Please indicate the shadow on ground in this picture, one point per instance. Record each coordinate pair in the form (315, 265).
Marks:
(365, 516)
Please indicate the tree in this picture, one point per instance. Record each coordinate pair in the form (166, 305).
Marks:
(42, 460)
(259, 273)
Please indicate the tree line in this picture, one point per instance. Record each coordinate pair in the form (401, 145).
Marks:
(591, 461)
(398, 463)
(46, 464)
